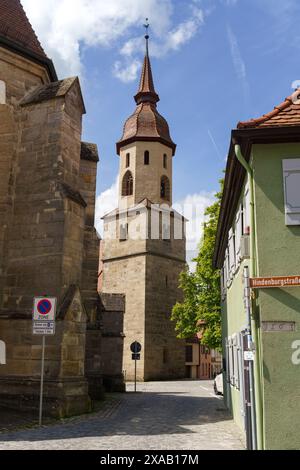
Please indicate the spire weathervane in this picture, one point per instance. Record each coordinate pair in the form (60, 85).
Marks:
(146, 26)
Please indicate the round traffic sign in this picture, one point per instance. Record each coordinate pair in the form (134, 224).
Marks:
(136, 347)
(44, 307)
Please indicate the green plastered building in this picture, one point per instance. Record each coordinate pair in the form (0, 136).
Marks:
(259, 237)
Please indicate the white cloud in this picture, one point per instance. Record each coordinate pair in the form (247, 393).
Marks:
(128, 73)
(193, 207)
(238, 61)
(171, 40)
(66, 27)
(106, 202)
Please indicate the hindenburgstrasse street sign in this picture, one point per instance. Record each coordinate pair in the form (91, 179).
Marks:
(276, 281)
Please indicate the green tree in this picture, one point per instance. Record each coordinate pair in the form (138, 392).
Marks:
(200, 308)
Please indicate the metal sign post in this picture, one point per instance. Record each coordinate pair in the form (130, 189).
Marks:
(135, 374)
(135, 349)
(42, 381)
(44, 310)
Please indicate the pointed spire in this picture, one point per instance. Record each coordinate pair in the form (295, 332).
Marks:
(146, 92)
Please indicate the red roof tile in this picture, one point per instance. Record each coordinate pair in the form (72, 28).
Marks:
(15, 26)
(286, 113)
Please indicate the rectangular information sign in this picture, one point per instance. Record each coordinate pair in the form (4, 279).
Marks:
(276, 281)
(43, 327)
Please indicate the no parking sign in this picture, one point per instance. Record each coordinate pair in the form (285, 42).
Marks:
(44, 309)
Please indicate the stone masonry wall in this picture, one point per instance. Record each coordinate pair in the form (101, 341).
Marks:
(164, 353)
(127, 276)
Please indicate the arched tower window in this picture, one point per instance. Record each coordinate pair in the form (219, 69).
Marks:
(146, 158)
(165, 188)
(127, 184)
(127, 160)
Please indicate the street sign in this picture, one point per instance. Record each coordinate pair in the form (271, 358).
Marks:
(44, 308)
(136, 357)
(136, 347)
(276, 281)
(248, 356)
(43, 327)
(269, 326)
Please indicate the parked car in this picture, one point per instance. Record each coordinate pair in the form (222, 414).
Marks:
(218, 384)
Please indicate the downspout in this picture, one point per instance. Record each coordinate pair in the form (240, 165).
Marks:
(254, 327)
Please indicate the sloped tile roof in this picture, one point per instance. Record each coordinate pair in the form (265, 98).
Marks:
(15, 26)
(286, 113)
(49, 91)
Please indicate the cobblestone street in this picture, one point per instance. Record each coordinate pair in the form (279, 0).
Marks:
(181, 415)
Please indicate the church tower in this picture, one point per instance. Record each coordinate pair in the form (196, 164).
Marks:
(144, 239)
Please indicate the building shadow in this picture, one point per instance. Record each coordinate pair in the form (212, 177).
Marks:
(155, 414)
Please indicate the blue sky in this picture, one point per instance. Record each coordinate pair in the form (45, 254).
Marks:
(214, 62)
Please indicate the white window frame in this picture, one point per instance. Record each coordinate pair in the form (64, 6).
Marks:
(291, 169)
(231, 250)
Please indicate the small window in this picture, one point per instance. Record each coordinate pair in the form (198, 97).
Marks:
(165, 188)
(165, 160)
(127, 184)
(146, 158)
(189, 353)
(167, 281)
(123, 232)
(2, 92)
(127, 160)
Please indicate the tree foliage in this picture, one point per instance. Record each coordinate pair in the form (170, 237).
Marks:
(201, 305)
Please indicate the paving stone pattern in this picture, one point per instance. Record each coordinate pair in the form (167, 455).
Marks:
(183, 415)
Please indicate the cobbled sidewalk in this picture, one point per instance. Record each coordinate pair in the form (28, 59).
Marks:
(179, 415)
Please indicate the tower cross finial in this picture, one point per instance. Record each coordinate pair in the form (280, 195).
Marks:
(146, 26)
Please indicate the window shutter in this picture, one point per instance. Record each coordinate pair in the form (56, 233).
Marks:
(227, 269)
(291, 179)
(231, 252)
(238, 234)
(227, 360)
(231, 362)
(246, 212)
(236, 361)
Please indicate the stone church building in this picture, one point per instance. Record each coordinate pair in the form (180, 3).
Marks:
(143, 251)
(48, 244)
